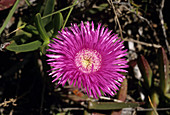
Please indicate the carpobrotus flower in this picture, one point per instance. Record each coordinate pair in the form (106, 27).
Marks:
(89, 59)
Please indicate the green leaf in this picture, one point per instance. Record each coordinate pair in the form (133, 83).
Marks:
(49, 27)
(163, 71)
(43, 34)
(28, 2)
(155, 98)
(167, 95)
(24, 47)
(145, 70)
(110, 105)
(9, 16)
(31, 29)
(93, 11)
(21, 32)
(154, 101)
(58, 23)
(49, 7)
(103, 6)
(20, 26)
(20, 39)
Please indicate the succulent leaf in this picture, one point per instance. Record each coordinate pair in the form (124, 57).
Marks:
(163, 71)
(145, 70)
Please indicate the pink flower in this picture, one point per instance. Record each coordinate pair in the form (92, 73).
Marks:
(88, 58)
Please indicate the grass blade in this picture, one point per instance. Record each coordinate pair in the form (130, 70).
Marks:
(9, 16)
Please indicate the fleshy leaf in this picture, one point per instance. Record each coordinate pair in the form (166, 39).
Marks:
(43, 34)
(163, 70)
(154, 101)
(155, 98)
(121, 95)
(110, 105)
(24, 47)
(58, 23)
(49, 7)
(145, 70)
(23, 38)
(31, 29)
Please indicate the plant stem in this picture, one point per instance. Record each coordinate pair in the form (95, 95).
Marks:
(68, 14)
(59, 11)
(28, 2)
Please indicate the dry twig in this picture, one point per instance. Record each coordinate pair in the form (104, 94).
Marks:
(143, 43)
(116, 17)
(125, 4)
(6, 103)
(163, 27)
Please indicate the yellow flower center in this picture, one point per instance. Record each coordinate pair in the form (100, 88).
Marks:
(86, 63)
(88, 60)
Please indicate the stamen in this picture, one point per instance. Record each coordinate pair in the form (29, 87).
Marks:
(88, 60)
